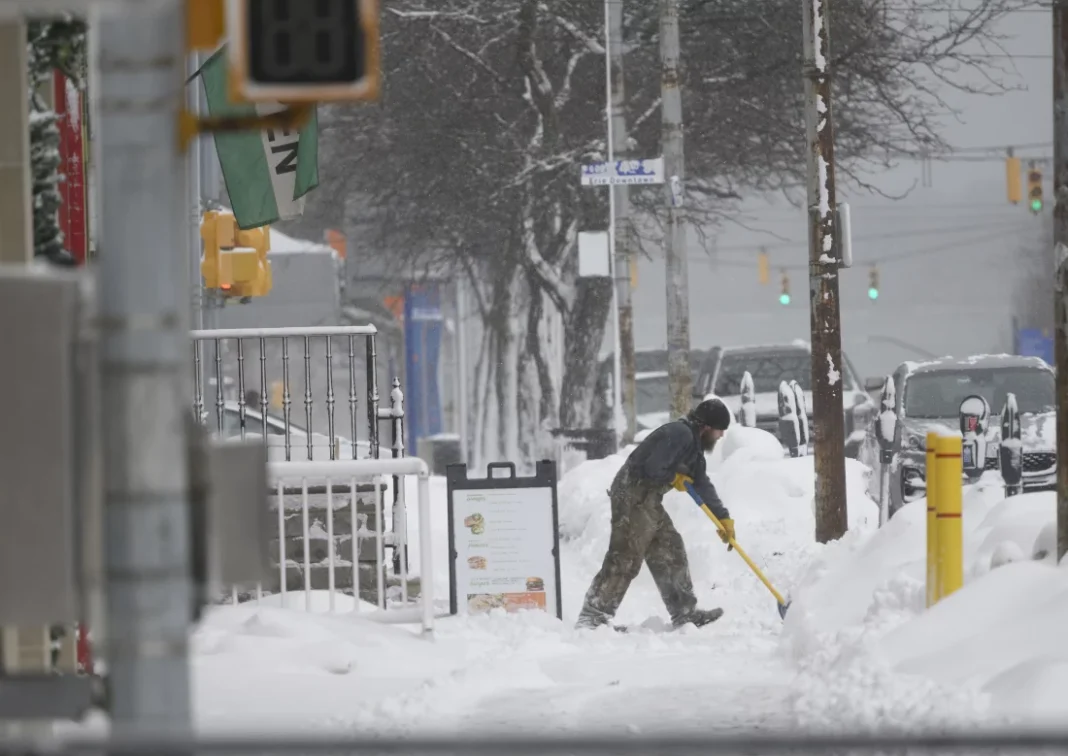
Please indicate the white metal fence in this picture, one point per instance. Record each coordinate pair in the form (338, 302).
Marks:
(336, 487)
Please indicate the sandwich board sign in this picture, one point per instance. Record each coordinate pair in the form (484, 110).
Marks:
(504, 542)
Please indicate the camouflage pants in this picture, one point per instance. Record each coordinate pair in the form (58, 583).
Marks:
(641, 531)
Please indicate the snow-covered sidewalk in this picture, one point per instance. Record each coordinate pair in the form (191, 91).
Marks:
(857, 649)
(530, 671)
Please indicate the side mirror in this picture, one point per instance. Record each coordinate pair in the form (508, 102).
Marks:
(873, 384)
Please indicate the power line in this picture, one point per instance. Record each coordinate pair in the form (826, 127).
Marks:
(882, 260)
(757, 246)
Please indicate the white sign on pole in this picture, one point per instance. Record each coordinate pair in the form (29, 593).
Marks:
(593, 254)
(645, 171)
(503, 542)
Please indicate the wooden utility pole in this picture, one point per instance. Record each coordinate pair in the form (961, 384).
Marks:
(678, 296)
(1060, 257)
(625, 237)
(828, 418)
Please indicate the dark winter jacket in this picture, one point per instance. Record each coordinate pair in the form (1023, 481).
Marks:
(672, 448)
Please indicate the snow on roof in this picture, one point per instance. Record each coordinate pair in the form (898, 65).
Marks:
(979, 361)
(283, 244)
(287, 245)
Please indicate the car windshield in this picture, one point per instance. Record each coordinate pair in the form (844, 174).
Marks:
(652, 394)
(768, 369)
(938, 394)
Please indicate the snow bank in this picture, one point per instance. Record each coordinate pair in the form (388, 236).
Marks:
(770, 498)
(980, 656)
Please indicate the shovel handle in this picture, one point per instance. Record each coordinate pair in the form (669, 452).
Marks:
(715, 520)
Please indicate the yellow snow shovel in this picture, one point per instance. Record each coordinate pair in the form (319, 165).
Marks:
(688, 484)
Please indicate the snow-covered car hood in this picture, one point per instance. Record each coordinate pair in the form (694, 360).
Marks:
(1038, 432)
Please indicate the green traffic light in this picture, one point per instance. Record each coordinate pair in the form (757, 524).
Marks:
(1036, 205)
(873, 293)
(784, 299)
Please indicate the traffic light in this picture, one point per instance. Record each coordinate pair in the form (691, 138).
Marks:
(235, 262)
(1012, 179)
(217, 230)
(251, 269)
(762, 267)
(784, 297)
(873, 284)
(300, 51)
(1034, 189)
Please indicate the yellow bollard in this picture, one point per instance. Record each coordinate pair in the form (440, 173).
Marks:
(950, 528)
(931, 475)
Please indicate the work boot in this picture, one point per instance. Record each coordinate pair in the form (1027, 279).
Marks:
(698, 617)
(591, 619)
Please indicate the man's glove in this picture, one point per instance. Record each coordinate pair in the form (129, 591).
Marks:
(726, 533)
(680, 481)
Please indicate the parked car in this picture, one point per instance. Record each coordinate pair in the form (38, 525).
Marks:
(928, 396)
(770, 364)
(652, 390)
(276, 432)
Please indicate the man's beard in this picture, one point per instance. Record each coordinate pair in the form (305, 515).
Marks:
(708, 443)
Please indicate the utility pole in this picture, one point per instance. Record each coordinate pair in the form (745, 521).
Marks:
(1060, 257)
(678, 295)
(625, 237)
(144, 329)
(828, 418)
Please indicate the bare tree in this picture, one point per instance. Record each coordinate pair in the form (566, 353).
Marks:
(470, 163)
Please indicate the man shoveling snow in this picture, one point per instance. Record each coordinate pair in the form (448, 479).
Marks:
(642, 529)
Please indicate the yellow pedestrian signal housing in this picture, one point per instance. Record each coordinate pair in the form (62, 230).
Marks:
(304, 51)
(205, 24)
(1034, 189)
(784, 298)
(1012, 180)
(762, 267)
(235, 262)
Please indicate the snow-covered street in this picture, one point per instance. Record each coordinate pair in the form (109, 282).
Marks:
(857, 648)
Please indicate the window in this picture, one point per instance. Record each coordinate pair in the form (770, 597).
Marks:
(939, 394)
(769, 369)
(652, 394)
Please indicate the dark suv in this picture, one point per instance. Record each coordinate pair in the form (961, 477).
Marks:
(928, 396)
(769, 364)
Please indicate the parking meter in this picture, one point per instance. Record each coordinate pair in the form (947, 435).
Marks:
(748, 413)
(974, 421)
(1010, 448)
(804, 438)
(886, 422)
(789, 431)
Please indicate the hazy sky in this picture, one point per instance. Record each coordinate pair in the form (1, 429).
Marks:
(953, 296)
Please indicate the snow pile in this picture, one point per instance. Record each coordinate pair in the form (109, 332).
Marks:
(770, 498)
(985, 654)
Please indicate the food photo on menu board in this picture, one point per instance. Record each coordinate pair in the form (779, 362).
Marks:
(504, 544)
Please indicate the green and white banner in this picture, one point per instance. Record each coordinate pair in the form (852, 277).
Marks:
(267, 173)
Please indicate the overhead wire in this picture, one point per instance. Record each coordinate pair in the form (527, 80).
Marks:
(870, 261)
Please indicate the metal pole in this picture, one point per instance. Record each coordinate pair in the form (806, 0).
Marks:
(617, 372)
(678, 295)
(828, 417)
(461, 365)
(192, 162)
(1060, 256)
(625, 242)
(144, 329)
